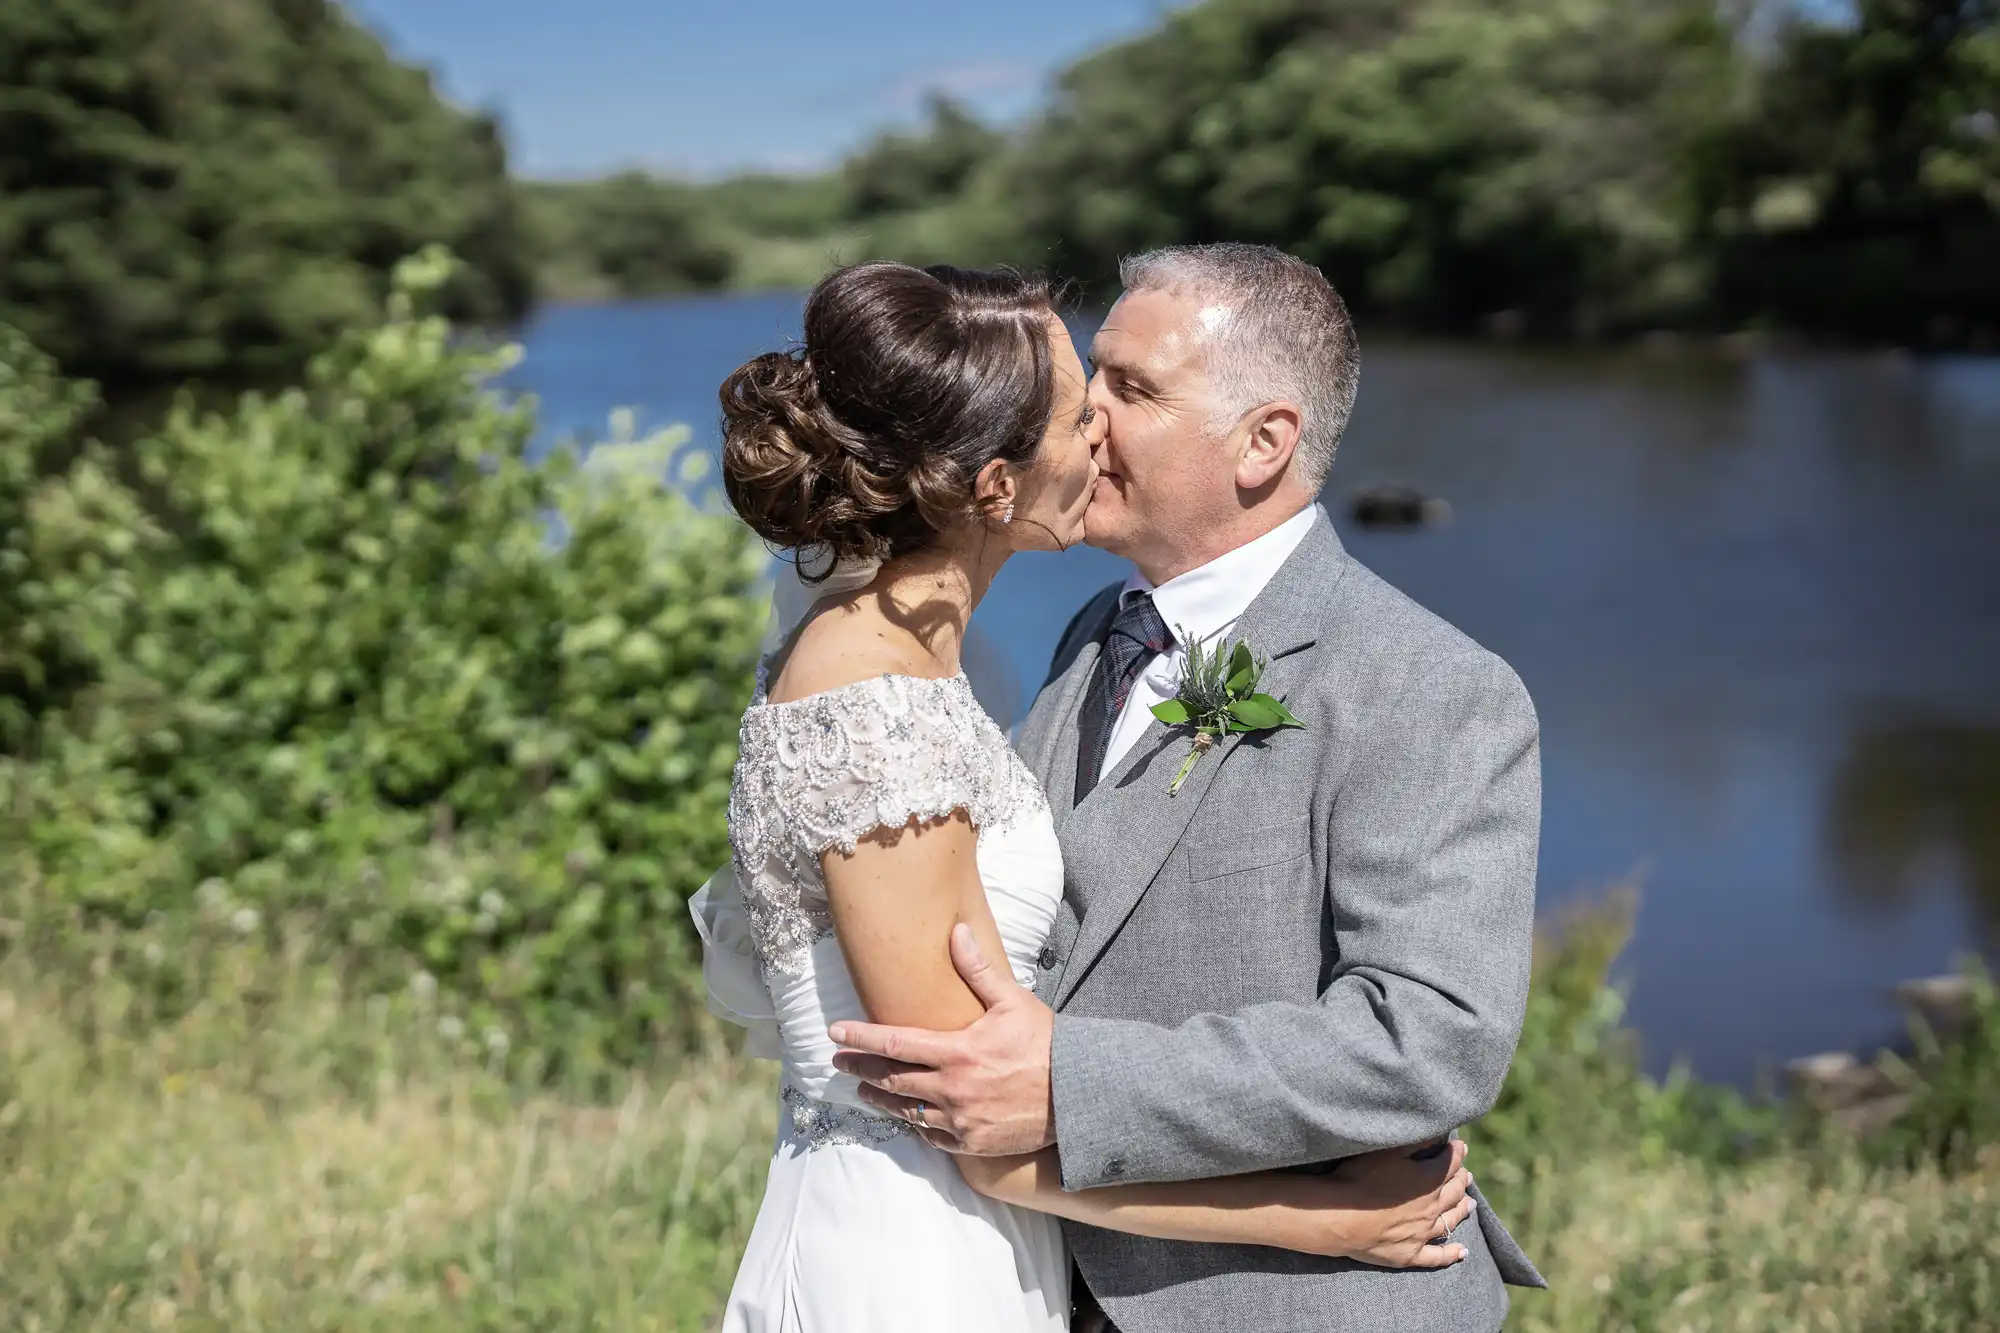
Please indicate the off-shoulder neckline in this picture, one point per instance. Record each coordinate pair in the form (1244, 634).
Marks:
(760, 702)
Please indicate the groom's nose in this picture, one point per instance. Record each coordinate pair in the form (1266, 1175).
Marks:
(1101, 398)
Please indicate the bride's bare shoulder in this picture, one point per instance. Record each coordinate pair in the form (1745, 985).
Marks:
(844, 644)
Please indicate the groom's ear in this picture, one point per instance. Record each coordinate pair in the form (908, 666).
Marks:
(1270, 438)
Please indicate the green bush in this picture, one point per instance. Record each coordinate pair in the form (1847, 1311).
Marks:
(39, 414)
(473, 716)
(217, 187)
(1954, 1087)
(1576, 1092)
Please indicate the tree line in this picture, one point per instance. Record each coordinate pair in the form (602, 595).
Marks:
(1564, 166)
(213, 188)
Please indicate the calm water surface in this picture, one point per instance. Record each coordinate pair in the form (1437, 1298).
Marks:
(1757, 603)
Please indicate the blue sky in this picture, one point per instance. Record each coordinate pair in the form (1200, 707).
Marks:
(587, 86)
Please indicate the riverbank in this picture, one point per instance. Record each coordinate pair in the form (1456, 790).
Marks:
(280, 1154)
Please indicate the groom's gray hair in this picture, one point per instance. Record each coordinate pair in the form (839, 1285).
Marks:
(1274, 328)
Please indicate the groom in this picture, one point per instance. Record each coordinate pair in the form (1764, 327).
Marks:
(1320, 945)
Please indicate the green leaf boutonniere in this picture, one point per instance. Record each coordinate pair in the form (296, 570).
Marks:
(1218, 697)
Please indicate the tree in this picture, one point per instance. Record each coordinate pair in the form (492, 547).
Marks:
(1861, 192)
(215, 187)
(900, 172)
(629, 235)
(1440, 160)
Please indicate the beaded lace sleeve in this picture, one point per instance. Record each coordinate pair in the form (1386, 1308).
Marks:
(822, 773)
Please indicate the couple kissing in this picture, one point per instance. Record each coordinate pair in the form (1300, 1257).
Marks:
(1162, 1016)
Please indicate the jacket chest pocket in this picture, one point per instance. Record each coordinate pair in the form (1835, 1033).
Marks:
(1259, 890)
(1247, 851)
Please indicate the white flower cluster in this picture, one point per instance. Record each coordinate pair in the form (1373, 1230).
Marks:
(217, 903)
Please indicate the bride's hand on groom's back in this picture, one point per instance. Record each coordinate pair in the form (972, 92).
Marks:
(1391, 1209)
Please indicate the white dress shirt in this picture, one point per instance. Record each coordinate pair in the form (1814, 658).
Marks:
(1204, 602)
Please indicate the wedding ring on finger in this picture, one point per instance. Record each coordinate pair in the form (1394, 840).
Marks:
(918, 1116)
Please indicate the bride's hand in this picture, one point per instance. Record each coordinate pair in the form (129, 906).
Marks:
(1391, 1210)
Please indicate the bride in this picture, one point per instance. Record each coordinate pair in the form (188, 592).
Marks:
(934, 422)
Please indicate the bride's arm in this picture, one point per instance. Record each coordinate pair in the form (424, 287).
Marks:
(1382, 1208)
(895, 900)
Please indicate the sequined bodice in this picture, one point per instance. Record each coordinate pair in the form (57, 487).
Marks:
(819, 774)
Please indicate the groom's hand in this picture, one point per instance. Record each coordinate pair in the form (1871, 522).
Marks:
(983, 1090)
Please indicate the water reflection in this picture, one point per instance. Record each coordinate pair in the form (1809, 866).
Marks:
(1912, 804)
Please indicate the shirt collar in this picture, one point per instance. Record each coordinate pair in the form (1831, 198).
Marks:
(1207, 600)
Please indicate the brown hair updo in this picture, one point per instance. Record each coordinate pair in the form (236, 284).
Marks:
(866, 440)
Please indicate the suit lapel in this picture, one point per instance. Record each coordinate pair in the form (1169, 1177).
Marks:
(1130, 808)
(1059, 775)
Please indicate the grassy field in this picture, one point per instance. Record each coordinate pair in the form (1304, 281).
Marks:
(281, 1159)
(276, 1156)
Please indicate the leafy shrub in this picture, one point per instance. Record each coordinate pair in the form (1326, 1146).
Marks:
(38, 414)
(215, 187)
(1576, 1092)
(65, 548)
(473, 716)
(1954, 1086)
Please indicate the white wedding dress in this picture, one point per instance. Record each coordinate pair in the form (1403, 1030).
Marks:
(865, 1228)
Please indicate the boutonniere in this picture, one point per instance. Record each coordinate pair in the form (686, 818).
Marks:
(1218, 697)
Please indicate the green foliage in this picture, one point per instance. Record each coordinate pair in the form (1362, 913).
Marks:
(352, 679)
(1576, 1089)
(1861, 191)
(629, 235)
(284, 1153)
(1218, 697)
(1553, 165)
(39, 415)
(216, 187)
(66, 549)
(1439, 161)
(1955, 1091)
(900, 172)
(280, 1148)
(637, 235)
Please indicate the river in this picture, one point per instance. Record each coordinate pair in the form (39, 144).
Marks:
(1756, 599)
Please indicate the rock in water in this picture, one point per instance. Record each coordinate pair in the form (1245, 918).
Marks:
(1397, 507)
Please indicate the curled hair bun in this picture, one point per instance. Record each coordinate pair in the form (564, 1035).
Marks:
(867, 441)
(780, 450)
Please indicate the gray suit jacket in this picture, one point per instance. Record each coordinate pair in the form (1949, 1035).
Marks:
(1318, 948)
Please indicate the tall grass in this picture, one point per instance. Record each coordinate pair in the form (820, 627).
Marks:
(280, 1157)
(274, 1153)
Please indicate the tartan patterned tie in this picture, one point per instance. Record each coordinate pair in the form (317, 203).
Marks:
(1137, 636)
